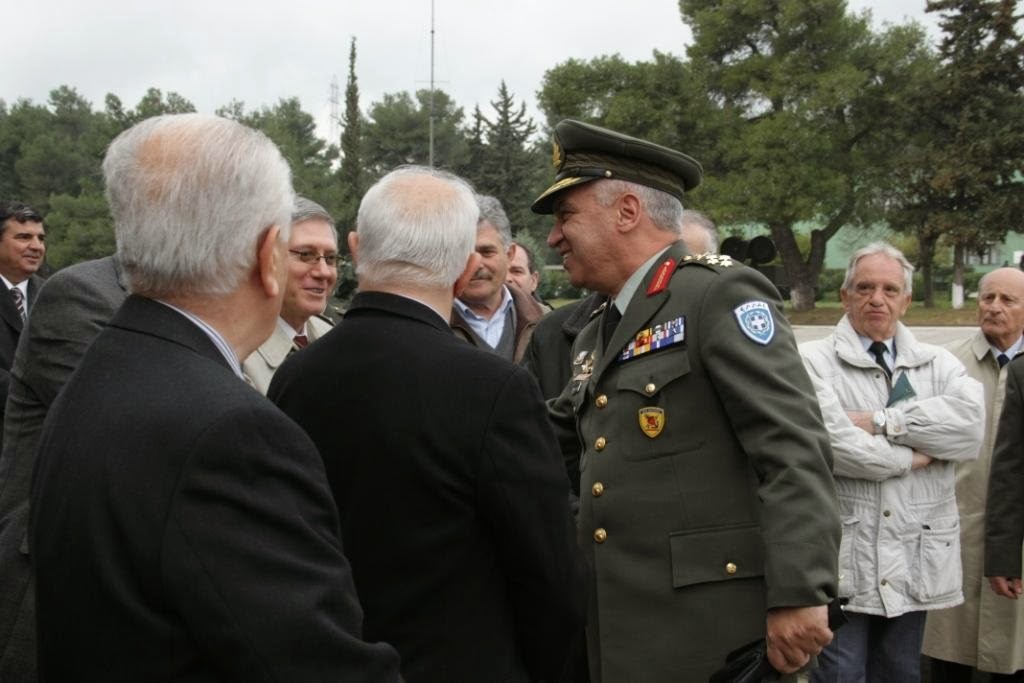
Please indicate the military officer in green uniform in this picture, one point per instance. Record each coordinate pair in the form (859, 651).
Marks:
(707, 511)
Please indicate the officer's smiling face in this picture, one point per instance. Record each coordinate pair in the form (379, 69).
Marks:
(877, 297)
(583, 234)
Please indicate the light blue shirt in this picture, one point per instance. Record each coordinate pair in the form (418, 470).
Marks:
(890, 349)
(489, 330)
(1010, 352)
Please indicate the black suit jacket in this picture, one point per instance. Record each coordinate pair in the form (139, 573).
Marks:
(182, 528)
(10, 330)
(1004, 508)
(451, 492)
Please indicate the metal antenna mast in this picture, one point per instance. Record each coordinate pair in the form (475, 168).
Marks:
(431, 83)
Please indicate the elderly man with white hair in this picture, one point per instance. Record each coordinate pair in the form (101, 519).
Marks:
(450, 486)
(900, 415)
(181, 526)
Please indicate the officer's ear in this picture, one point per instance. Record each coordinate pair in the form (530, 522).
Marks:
(629, 210)
(472, 265)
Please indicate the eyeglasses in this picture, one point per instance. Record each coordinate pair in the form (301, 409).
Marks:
(312, 257)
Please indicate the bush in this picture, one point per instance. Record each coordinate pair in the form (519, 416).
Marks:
(829, 282)
(555, 284)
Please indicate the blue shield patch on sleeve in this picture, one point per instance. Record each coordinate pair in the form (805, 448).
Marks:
(755, 319)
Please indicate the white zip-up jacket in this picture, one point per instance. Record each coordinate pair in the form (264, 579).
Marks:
(900, 549)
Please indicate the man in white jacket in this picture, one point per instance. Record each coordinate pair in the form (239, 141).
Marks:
(900, 414)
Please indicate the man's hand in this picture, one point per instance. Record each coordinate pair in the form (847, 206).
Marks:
(795, 634)
(862, 419)
(919, 460)
(1006, 586)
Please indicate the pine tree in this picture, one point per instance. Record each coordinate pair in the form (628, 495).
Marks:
(351, 174)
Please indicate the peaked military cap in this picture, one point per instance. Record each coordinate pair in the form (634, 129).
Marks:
(583, 152)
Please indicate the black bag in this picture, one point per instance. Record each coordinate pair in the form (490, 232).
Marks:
(749, 664)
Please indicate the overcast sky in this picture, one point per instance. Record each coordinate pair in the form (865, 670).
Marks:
(213, 51)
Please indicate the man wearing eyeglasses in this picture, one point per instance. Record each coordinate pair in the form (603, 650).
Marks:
(312, 274)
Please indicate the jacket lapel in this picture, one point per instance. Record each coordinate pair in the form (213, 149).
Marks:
(641, 310)
(8, 311)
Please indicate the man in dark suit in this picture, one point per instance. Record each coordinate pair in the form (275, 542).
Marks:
(1004, 508)
(450, 488)
(181, 526)
(707, 509)
(72, 308)
(22, 248)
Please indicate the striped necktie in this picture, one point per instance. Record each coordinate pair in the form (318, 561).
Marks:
(19, 301)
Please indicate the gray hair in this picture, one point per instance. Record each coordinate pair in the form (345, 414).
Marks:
(531, 264)
(666, 211)
(308, 210)
(700, 221)
(884, 249)
(191, 195)
(492, 212)
(412, 231)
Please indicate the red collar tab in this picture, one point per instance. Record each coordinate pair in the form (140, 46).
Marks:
(661, 278)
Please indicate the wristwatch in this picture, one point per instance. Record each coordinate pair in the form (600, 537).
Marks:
(878, 420)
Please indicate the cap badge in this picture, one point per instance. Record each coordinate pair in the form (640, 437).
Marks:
(556, 153)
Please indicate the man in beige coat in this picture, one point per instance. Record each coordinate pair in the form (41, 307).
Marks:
(312, 274)
(986, 632)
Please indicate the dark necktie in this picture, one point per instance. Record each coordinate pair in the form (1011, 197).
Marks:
(1002, 359)
(19, 302)
(609, 322)
(878, 350)
(301, 341)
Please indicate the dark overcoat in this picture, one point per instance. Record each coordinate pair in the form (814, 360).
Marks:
(451, 493)
(1004, 509)
(71, 309)
(181, 526)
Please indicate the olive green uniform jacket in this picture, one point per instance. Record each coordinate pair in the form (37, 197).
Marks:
(692, 529)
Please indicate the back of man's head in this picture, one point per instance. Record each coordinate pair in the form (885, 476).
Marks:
(191, 195)
(416, 226)
(699, 232)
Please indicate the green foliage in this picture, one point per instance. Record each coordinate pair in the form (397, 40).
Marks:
(555, 285)
(351, 176)
(398, 132)
(503, 163)
(77, 229)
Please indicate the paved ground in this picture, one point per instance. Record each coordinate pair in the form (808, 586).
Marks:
(931, 335)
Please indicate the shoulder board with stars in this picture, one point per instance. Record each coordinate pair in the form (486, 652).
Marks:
(665, 270)
(707, 259)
